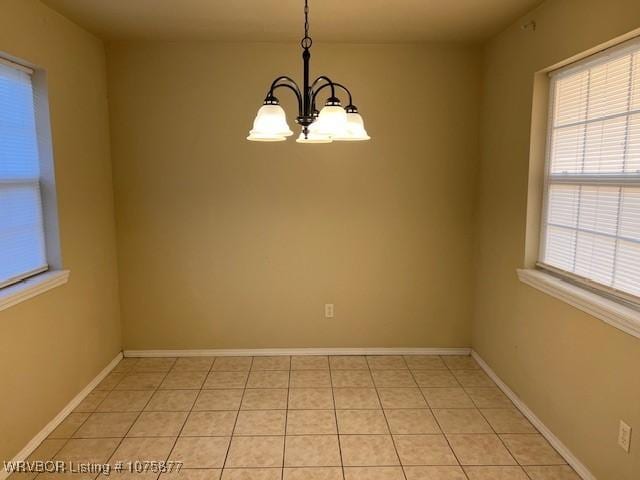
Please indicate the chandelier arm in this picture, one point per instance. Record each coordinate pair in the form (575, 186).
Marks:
(326, 79)
(294, 88)
(288, 79)
(332, 85)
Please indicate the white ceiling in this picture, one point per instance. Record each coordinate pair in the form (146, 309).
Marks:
(360, 21)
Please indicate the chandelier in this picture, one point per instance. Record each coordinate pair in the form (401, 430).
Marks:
(332, 123)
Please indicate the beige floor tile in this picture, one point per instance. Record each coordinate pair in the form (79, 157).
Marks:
(373, 473)
(310, 398)
(361, 422)
(447, 398)
(232, 364)
(393, 378)
(209, 424)
(425, 362)
(252, 474)
(268, 379)
(193, 364)
(356, 398)
(460, 362)
(219, 399)
(462, 420)
(531, 449)
(192, 474)
(434, 473)
(226, 380)
(368, 451)
(110, 381)
(310, 379)
(309, 362)
(172, 400)
(488, 397)
(348, 362)
(312, 451)
(131, 475)
(125, 401)
(435, 378)
(411, 421)
(424, 450)
(386, 362)
(480, 449)
(473, 378)
(495, 473)
(271, 363)
(67, 476)
(401, 398)
(265, 399)
(260, 422)
(311, 422)
(69, 425)
(562, 472)
(200, 452)
(91, 402)
(507, 420)
(106, 425)
(315, 473)
(125, 365)
(143, 450)
(158, 424)
(154, 364)
(88, 450)
(180, 380)
(255, 452)
(47, 449)
(351, 378)
(141, 381)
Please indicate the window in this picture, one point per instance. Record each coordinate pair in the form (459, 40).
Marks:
(22, 233)
(591, 215)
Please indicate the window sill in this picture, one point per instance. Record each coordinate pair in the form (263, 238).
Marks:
(29, 288)
(609, 311)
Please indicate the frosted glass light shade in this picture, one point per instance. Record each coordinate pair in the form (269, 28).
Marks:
(354, 130)
(332, 120)
(270, 125)
(257, 137)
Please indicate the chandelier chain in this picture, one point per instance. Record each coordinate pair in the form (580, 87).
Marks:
(306, 40)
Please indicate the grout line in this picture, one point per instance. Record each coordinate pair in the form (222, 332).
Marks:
(435, 418)
(226, 456)
(335, 416)
(384, 414)
(132, 371)
(286, 422)
(188, 413)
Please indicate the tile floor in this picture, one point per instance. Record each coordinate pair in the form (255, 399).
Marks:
(304, 418)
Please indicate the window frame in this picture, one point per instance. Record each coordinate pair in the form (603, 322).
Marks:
(37, 282)
(553, 75)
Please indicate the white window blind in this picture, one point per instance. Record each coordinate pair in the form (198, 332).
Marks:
(22, 242)
(591, 227)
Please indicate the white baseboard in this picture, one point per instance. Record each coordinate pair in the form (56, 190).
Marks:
(555, 442)
(257, 352)
(53, 424)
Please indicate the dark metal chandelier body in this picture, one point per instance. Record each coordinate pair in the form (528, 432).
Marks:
(332, 123)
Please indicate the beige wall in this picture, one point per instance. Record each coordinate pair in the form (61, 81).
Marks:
(52, 346)
(225, 243)
(579, 375)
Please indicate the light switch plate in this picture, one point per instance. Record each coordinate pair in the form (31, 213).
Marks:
(328, 310)
(624, 436)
